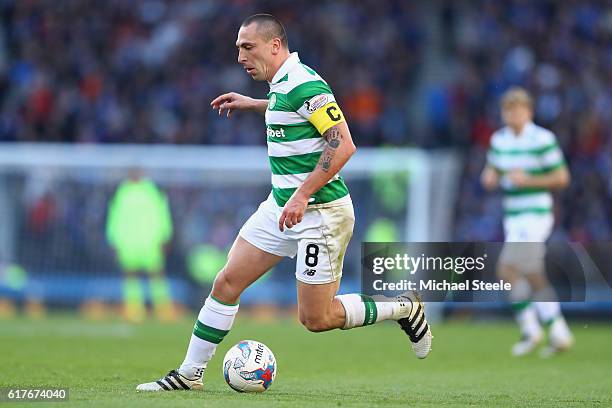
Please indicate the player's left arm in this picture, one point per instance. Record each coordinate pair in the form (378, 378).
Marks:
(556, 179)
(339, 148)
(556, 175)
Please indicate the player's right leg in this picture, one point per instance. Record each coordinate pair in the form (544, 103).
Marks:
(134, 309)
(245, 264)
(524, 309)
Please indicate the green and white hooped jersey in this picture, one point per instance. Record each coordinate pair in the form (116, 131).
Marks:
(534, 151)
(301, 108)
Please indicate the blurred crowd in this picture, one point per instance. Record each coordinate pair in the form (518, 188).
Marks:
(60, 224)
(61, 220)
(562, 53)
(144, 71)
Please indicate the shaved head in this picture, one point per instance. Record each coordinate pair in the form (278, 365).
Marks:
(268, 27)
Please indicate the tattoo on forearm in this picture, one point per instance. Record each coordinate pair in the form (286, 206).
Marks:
(333, 137)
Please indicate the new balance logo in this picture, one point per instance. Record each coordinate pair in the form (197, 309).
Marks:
(309, 272)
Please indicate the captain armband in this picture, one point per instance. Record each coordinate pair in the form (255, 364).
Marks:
(326, 116)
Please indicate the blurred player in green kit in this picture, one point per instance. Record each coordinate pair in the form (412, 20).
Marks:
(138, 227)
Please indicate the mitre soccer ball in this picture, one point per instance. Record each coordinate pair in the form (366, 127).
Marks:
(249, 366)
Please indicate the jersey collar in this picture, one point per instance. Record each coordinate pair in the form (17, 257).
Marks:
(287, 66)
(526, 130)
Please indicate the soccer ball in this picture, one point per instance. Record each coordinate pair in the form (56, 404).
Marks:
(249, 366)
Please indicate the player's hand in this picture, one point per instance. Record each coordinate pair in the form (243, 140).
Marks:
(489, 179)
(230, 102)
(518, 178)
(293, 211)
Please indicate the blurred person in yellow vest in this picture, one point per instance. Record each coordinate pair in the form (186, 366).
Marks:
(138, 227)
(382, 230)
(15, 288)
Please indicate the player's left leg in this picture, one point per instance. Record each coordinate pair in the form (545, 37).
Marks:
(320, 310)
(545, 299)
(161, 297)
(159, 288)
(548, 308)
(526, 252)
(318, 271)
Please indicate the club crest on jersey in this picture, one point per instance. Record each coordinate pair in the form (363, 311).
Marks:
(315, 103)
(272, 101)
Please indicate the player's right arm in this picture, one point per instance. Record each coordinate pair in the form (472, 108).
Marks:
(489, 178)
(234, 101)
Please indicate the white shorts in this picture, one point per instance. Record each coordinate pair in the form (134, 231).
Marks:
(532, 230)
(319, 241)
(528, 227)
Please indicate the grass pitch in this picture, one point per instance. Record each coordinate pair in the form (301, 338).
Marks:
(470, 365)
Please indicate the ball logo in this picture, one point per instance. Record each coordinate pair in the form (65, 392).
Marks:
(259, 353)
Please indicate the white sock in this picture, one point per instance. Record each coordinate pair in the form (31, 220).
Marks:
(214, 322)
(560, 334)
(548, 312)
(527, 320)
(363, 310)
